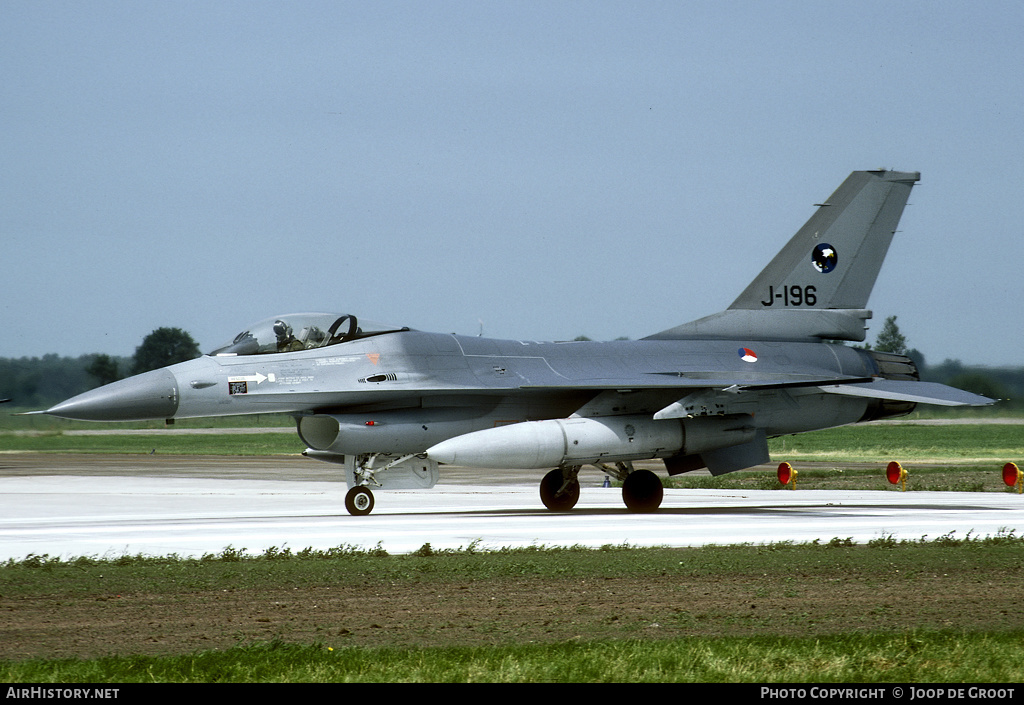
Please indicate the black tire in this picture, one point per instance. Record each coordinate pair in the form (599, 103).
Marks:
(642, 491)
(359, 501)
(550, 485)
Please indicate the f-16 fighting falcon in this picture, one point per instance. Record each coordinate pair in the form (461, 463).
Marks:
(390, 403)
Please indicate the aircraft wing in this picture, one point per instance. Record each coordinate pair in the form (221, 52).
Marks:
(873, 387)
(700, 380)
(694, 386)
(906, 390)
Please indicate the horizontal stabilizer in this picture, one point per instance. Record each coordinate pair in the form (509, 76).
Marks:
(906, 390)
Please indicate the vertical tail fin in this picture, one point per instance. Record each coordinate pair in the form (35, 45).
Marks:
(836, 256)
(818, 285)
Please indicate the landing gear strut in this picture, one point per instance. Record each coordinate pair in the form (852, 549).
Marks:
(381, 471)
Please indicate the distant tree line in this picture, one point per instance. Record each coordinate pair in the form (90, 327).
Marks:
(40, 382)
(1003, 383)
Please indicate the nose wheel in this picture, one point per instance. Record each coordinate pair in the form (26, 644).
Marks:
(359, 501)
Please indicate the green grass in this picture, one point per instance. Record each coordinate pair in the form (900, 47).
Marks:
(219, 444)
(980, 477)
(905, 442)
(899, 656)
(11, 420)
(342, 566)
(912, 657)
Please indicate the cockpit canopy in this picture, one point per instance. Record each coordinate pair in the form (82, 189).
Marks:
(301, 331)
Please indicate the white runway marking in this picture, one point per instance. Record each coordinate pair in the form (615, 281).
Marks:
(71, 516)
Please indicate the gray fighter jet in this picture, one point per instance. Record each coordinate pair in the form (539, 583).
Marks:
(389, 403)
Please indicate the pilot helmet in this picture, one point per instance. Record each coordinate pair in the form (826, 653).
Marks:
(282, 329)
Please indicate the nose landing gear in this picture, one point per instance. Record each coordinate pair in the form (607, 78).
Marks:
(359, 501)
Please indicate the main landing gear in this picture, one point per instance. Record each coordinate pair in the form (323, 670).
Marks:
(560, 489)
(642, 490)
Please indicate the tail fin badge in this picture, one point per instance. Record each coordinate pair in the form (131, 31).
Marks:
(747, 355)
(824, 258)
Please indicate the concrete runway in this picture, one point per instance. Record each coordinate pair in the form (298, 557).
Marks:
(111, 505)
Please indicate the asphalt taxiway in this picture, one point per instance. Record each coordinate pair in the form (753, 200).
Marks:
(112, 505)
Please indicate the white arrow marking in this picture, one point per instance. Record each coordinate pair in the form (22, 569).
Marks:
(257, 378)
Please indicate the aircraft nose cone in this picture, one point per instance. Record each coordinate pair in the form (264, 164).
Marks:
(151, 395)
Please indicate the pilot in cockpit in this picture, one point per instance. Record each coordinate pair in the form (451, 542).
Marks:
(285, 338)
(301, 331)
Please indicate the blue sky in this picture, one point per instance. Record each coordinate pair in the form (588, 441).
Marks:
(541, 169)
